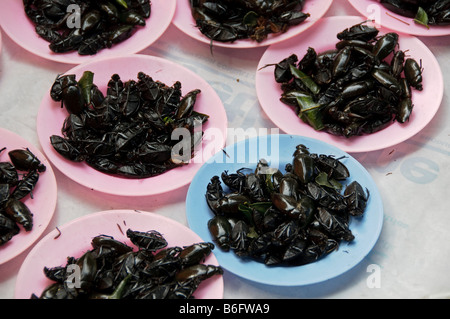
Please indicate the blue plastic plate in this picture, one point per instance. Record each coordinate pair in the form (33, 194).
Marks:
(278, 150)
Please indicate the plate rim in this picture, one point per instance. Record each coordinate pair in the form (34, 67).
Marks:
(77, 59)
(77, 222)
(51, 201)
(120, 192)
(192, 198)
(244, 43)
(339, 141)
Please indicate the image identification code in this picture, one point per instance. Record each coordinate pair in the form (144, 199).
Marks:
(235, 308)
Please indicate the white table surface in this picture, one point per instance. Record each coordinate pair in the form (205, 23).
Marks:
(413, 251)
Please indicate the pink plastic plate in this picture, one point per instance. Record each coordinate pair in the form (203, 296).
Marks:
(51, 117)
(42, 205)
(388, 19)
(247, 153)
(323, 37)
(74, 238)
(184, 21)
(19, 28)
